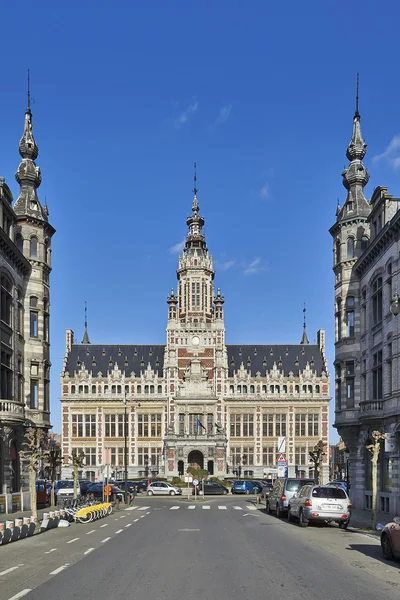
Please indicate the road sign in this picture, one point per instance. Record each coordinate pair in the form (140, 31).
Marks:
(195, 482)
(107, 490)
(281, 458)
(281, 444)
(188, 478)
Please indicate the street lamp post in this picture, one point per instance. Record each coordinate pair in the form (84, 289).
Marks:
(126, 450)
(347, 454)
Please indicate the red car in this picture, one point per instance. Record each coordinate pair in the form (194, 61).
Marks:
(390, 539)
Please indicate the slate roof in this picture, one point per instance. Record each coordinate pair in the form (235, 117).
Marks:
(97, 357)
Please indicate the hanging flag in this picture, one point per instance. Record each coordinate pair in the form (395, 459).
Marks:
(218, 427)
(200, 424)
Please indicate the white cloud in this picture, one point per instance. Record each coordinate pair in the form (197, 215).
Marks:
(224, 266)
(392, 153)
(223, 116)
(255, 266)
(186, 114)
(178, 247)
(264, 192)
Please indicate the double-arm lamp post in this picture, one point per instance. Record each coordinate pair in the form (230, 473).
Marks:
(126, 448)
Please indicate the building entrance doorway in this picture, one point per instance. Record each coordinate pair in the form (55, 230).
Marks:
(196, 459)
(210, 467)
(180, 468)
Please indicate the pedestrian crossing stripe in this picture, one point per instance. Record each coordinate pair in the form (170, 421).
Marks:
(144, 508)
(131, 508)
(238, 508)
(206, 507)
(191, 507)
(222, 507)
(174, 508)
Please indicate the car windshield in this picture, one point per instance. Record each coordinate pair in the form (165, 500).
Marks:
(65, 484)
(329, 492)
(293, 485)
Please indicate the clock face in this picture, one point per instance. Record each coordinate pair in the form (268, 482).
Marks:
(195, 340)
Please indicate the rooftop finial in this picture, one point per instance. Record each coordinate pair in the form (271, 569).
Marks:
(357, 114)
(195, 181)
(29, 89)
(85, 333)
(304, 339)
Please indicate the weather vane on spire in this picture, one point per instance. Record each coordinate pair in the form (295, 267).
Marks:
(304, 339)
(195, 181)
(29, 89)
(357, 114)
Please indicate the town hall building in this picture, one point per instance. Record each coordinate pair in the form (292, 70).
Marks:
(195, 400)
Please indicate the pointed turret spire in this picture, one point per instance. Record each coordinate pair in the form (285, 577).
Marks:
(195, 237)
(28, 174)
(356, 176)
(304, 339)
(86, 339)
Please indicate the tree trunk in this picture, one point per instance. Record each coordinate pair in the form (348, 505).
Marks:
(75, 482)
(52, 499)
(32, 490)
(374, 486)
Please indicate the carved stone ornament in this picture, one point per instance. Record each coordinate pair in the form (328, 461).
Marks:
(195, 381)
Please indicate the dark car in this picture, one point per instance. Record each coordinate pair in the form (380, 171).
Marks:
(131, 485)
(142, 485)
(281, 493)
(84, 485)
(245, 486)
(96, 489)
(211, 487)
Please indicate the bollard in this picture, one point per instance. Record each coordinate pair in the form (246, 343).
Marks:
(10, 525)
(17, 528)
(32, 525)
(45, 524)
(18, 522)
(25, 527)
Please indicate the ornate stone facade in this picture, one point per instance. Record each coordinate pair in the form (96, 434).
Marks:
(25, 265)
(195, 400)
(366, 267)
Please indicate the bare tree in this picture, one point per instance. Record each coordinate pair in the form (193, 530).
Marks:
(316, 457)
(54, 460)
(77, 459)
(374, 450)
(34, 453)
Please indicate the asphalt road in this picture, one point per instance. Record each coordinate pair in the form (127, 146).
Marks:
(222, 548)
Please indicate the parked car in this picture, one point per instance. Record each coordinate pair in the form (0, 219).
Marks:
(97, 490)
(163, 488)
(390, 539)
(313, 503)
(142, 485)
(64, 490)
(245, 486)
(211, 487)
(265, 490)
(84, 484)
(131, 485)
(282, 492)
(339, 482)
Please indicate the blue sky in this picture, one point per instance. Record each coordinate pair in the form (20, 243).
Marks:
(127, 95)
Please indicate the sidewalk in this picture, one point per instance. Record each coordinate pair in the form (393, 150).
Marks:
(361, 518)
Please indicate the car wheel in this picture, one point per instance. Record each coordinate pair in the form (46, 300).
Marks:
(150, 493)
(268, 508)
(225, 492)
(172, 493)
(247, 492)
(386, 547)
(344, 524)
(303, 522)
(289, 516)
(278, 511)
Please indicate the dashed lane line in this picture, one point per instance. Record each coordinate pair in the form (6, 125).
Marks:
(10, 569)
(135, 521)
(72, 541)
(57, 571)
(119, 531)
(89, 532)
(51, 550)
(105, 525)
(105, 540)
(129, 525)
(88, 551)
(20, 594)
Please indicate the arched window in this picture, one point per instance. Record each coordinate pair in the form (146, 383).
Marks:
(239, 389)
(297, 389)
(93, 389)
(119, 389)
(127, 389)
(317, 388)
(159, 389)
(34, 316)
(271, 389)
(277, 389)
(245, 389)
(81, 389)
(350, 247)
(33, 251)
(72, 389)
(338, 257)
(252, 389)
(113, 389)
(20, 242)
(146, 389)
(232, 389)
(139, 389)
(6, 301)
(284, 389)
(310, 389)
(264, 389)
(152, 389)
(106, 389)
(46, 252)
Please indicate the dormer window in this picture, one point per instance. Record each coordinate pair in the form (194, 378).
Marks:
(33, 205)
(350, 206)
(33, 253)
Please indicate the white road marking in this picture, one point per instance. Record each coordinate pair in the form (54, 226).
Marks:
(52, 550)
(88, 551)
(129, 525)
(174, 508)
(144, 508)
(74, 540)
(206, 507)
(191, 507)
(188, 529)
(89, 532)
(238, 508)
(105, 525)
(148, 513)
(10, 569)
(119, 531)
(123, 517)
(131, 508)
(56, 571)
(105, 540)
(142, 516)
(20, 594)
(136, 520)
(222, 507)
(252, 508)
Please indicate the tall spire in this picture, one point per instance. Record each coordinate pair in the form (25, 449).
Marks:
(195, 237)
(356, 176)
(28, 174)
(85, 333)
(304, 339)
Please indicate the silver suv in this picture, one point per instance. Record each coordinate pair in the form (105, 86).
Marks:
(320, 503)
(282, 491)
